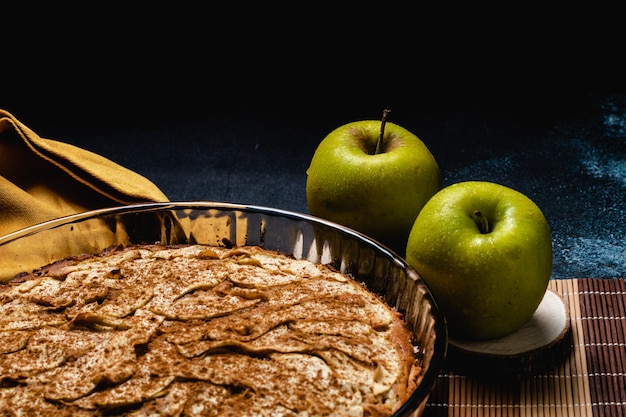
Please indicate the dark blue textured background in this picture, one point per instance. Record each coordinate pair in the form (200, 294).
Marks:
(565, 149)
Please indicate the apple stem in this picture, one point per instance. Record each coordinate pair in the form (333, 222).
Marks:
(383, 121)
(481, 221)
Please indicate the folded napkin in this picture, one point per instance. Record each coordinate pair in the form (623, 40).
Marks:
(42, 179)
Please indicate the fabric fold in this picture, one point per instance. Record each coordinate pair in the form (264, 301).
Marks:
(42, 179)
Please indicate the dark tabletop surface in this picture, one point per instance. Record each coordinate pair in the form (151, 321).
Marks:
(565, 149)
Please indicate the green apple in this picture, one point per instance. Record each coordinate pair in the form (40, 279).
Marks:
(372, 176)
(485, 252)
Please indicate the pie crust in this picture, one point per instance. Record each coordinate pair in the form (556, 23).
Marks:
(194, 330)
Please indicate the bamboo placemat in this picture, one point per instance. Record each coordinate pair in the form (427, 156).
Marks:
(591, 382)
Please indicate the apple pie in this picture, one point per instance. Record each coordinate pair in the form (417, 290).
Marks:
(195, 330)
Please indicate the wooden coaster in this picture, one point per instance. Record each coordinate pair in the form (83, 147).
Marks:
(537, 347)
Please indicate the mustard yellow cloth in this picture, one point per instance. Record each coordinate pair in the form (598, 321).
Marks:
(42, 179)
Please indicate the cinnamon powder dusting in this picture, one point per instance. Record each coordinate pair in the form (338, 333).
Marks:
(191, 330)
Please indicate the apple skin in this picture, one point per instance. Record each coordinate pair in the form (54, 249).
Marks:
(486, 284)
(378, 195)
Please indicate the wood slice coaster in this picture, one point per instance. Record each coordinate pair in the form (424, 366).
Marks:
(537, 347)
